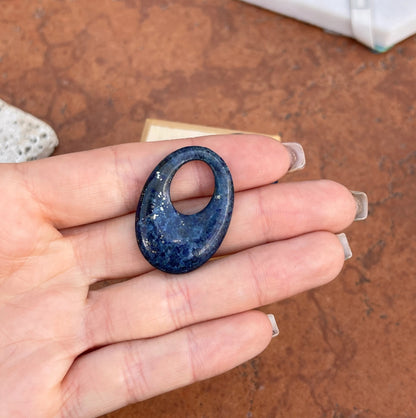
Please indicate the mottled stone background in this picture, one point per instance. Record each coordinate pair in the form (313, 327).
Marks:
(96, 69)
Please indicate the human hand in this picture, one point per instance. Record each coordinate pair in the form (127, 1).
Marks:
(67, 223)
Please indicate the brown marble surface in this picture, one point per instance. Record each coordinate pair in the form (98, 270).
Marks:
(96, 69)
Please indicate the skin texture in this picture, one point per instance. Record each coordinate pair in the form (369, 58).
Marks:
(67, 349)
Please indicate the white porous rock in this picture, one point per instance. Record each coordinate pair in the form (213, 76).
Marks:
(23, 137)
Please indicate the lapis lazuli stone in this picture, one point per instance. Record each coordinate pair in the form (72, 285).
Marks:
(174, 242)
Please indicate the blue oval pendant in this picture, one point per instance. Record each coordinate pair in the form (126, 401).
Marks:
(174, 242)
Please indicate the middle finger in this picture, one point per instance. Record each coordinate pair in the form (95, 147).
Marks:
(108, 249)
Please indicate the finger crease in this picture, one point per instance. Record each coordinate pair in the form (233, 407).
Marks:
(178, 298)
(266, 225)
(34, 196)
(193, 357)
(71, 399)
(134, 376)
(256, 278)
(119, 180)
(75, 241)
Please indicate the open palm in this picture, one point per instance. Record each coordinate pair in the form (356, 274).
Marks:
(67, 222)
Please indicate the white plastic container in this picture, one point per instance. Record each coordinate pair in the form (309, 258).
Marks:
(379, 24)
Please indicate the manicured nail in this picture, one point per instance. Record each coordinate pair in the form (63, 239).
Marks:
(275, 328)
(345, 245)
(297, 156)
(361, 200)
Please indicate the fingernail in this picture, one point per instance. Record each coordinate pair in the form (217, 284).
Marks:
(275, 328)
(297, 156)
(345, 245)
(361, 200)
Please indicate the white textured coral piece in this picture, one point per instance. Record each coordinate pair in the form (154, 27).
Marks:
(23, 137)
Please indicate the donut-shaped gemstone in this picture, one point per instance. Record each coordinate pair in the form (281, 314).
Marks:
(174, 242)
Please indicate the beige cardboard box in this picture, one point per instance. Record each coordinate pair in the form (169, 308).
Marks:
(160, 130)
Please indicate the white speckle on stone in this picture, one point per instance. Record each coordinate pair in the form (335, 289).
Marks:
(23, 137)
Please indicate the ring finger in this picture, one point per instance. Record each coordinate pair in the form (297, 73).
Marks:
(108, 249)
(157, 303)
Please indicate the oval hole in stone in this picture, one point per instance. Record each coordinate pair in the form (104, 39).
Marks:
(194, 180)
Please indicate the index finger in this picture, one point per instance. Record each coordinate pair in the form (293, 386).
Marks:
(85, 187)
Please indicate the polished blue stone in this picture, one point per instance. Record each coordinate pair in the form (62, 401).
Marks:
(174, 242)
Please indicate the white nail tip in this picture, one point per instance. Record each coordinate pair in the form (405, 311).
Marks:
(361, 201)
(297, 156)
(275, 328)
(345, 245)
